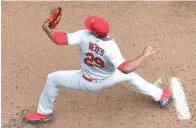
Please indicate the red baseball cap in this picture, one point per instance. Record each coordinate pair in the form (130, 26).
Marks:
(97, 25)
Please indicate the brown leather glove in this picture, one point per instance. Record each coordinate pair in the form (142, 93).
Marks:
(54, 18)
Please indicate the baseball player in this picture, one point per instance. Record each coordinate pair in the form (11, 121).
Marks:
(102, 65)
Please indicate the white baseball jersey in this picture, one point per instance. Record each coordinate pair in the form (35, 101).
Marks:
(99, 58)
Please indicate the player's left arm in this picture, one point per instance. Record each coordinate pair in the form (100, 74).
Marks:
(124, 66)
(134, 64)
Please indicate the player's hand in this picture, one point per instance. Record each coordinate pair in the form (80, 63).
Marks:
(148, 51)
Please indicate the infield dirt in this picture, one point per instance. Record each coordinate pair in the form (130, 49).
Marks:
(28, 56)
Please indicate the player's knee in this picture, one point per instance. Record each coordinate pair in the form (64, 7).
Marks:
(50, 77)
(53, 77)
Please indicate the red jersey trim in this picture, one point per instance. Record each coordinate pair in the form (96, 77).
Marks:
(122, 66)
(60, 38)
(88, 79)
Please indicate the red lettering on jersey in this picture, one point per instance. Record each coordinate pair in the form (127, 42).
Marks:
(102, 52)
(92, 61)
(97, 49)
(90, 46)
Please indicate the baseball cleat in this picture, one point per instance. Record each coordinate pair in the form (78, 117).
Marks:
(165, 98)
(34, 117)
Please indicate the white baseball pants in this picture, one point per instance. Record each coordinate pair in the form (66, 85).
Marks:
(74, 79)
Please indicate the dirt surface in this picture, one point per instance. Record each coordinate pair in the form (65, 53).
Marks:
(28, 56)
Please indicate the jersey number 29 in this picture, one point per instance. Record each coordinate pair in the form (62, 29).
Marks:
(90, 60)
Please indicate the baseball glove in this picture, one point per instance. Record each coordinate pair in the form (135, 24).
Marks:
(54, 18)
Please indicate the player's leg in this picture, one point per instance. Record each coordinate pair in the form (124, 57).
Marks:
(144, 86)
(65, 79)
(136, 81)
(161, 96)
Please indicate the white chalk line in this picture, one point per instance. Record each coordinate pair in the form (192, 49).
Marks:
(178, 97)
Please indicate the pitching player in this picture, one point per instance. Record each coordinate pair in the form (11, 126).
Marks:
(102, 65)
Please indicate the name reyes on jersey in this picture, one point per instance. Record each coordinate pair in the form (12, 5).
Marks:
(97, 49)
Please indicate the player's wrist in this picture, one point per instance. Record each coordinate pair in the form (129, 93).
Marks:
(45, 25)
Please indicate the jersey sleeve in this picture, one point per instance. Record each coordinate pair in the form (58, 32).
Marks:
(63, 38)
(76, 38)
(115, 56)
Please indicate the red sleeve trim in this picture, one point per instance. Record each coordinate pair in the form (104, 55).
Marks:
(122, 66)
(60, 38)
